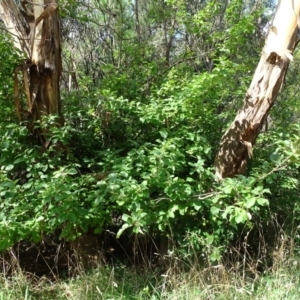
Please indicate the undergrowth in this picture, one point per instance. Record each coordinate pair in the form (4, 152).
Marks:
(239, 274)
(118, 283)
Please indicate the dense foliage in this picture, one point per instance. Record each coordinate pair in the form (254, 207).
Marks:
(154, 86)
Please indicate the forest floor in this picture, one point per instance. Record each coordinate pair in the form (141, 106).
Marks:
(29, 272)
(122, 283)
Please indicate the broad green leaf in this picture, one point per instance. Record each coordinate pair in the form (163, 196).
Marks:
(250, 202)
(9, 167)
(210, 239)
(214, 210)
(241, 216)
(72, 171)
(124, 227)
(125, 217)
(163, 134)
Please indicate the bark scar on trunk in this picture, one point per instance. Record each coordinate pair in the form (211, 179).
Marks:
(245, 137)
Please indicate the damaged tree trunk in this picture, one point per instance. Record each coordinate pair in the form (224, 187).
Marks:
(35, 29)
(236, 144)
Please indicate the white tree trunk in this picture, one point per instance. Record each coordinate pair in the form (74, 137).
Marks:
(236, 144)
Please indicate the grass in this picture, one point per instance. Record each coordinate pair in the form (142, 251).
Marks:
(123, 283)
(237, 278)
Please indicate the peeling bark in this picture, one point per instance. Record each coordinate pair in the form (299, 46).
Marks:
(35, 29)
(236, 144)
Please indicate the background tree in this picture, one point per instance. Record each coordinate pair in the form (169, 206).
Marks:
(236, 144)
(34, 27)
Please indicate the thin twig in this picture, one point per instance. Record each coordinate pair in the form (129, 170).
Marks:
(207, 195)
(281, 166)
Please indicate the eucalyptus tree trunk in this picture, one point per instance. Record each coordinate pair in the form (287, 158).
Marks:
(35, 29)
(236, 144)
